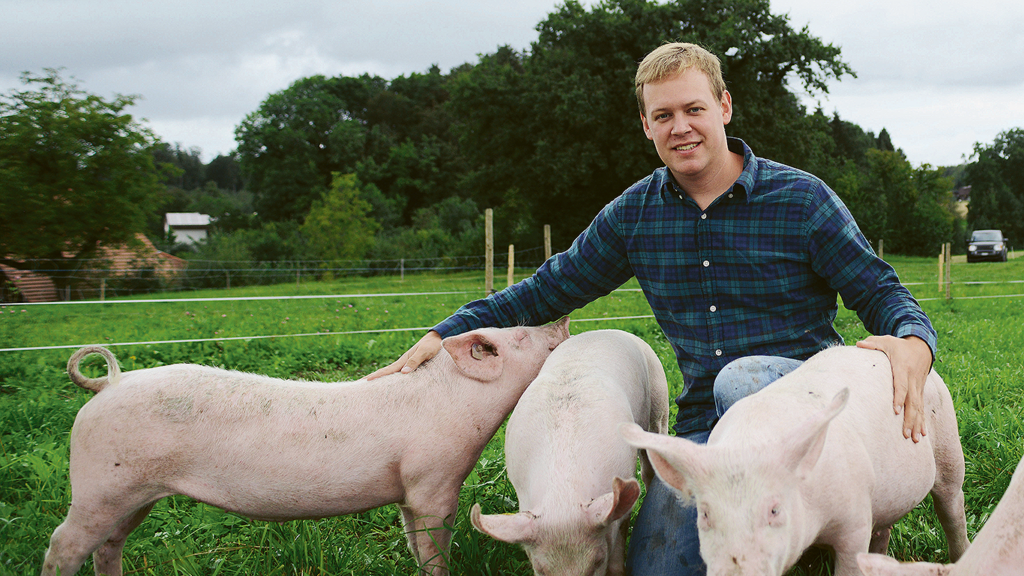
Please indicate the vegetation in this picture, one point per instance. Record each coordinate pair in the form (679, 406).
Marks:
(423, 154)
(77, 172)
(981, 358)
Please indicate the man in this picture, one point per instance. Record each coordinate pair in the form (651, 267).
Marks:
(741, 259)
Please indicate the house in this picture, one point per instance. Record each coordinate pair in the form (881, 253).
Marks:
(89, 280)
(188, 227)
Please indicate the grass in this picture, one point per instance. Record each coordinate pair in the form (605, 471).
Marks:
(981, 358)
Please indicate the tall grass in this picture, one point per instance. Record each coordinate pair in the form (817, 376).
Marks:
(981, 358)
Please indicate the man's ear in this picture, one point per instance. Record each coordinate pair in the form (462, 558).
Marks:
(726, 107)
(647, 127)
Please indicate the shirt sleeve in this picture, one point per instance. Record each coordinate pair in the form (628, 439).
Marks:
(868, 285)
(592, 267)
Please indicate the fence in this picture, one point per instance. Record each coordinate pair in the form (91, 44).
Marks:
(90, 280)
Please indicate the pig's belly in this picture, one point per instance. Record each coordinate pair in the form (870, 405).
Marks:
(903, 477)
(291, 498)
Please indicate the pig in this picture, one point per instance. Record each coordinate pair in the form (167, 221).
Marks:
(273, 449)
(817, 457)
(573, 475)
(997, 550)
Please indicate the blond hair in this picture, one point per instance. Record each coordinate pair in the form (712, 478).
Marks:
(671, 59)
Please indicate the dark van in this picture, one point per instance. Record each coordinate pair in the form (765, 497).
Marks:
(987, 245)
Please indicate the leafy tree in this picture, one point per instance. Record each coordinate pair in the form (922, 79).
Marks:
(557, 129)
(290, 147)
(77, 172)
(909, 209)
(338, 226)
(996, 176)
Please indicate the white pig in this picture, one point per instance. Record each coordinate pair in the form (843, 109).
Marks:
(564, 454)
(273, 449)
(997, 550)
(788, 467)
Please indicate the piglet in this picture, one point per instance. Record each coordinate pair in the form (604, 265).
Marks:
(573, 474)
(997, 550)
(816, 457)
(273, 449)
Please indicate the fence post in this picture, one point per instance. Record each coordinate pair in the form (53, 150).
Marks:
(103, 289)
(942, 265)
(401, 266)
(227, 273)
(949, 270)
(547, 241)
(489, 251)
(511, 264)
(881, 248)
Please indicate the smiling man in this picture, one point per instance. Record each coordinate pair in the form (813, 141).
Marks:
(741, 260)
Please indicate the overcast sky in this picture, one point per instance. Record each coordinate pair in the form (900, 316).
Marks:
(939, 75)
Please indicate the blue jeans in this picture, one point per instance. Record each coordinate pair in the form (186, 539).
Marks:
(664, 540)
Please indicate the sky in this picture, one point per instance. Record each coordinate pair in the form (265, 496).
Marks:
(938, 75)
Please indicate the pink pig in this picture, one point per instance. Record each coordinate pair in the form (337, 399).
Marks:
(274, 449)
(817, 457)
(574, 476)
(997, 550)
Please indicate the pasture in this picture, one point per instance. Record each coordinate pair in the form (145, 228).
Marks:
(981, 358)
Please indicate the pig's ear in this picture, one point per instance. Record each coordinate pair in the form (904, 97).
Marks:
(475, 355)
(803, 448)
(880, 565)
(614, 505)
(518, 528)
(677, 461)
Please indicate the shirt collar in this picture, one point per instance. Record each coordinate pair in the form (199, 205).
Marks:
(743, 185)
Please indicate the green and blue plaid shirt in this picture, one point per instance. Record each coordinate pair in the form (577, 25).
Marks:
(756, 273)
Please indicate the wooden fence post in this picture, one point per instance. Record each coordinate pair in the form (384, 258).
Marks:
(511, 264)
(547, 241)
(942, 265)
(949, 270)
(881, 248)
(103, 289)
(489, 251)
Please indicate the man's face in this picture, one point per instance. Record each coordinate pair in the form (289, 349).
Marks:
(687, 124)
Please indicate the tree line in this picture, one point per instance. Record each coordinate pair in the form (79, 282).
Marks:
(350, 167)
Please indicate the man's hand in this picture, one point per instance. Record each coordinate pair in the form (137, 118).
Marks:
(424, 350)
(911, 360)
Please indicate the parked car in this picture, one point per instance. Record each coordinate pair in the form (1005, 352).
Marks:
(987, 245)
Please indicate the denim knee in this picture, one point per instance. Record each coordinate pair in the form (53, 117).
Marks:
(744, 376)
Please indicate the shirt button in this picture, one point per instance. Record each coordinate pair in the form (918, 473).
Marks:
(706, 263)
(730, 195)
(714, 308)
(703, 216)
(718, 352)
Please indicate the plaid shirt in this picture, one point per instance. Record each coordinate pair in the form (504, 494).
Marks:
(756, 273)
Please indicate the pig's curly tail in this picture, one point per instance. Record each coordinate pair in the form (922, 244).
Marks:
(94, 384)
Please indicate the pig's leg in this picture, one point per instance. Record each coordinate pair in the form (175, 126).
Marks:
(947, 493)
(82, 532)
(107, 559)
(880, 541)
(857, 541)
(429, 537)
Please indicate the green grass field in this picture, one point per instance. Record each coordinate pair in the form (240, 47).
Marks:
(981, 358)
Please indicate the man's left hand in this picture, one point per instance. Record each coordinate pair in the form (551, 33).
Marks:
(911, 361)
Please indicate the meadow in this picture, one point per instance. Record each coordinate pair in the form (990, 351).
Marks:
(368, 322)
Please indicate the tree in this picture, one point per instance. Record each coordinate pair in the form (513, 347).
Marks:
(77, 172)
(338, 226)
(557, 129)
(996, 176)
(290, 147)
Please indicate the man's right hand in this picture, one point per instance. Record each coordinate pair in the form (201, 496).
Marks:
(424, 350)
